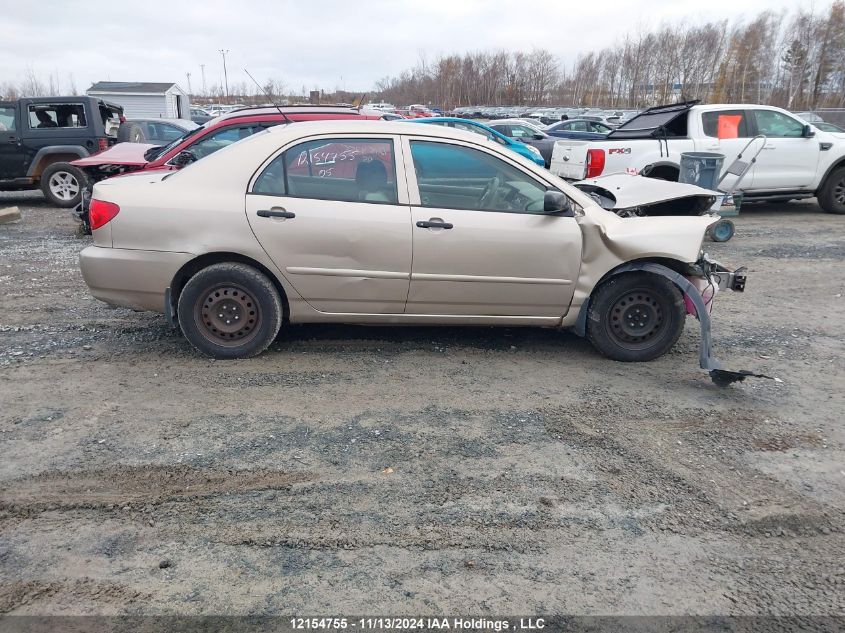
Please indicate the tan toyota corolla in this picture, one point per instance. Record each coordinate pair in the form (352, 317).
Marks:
(381, 222)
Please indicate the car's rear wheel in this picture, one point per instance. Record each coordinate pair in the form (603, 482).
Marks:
(62, 184)
(635, 317)
(230, 310)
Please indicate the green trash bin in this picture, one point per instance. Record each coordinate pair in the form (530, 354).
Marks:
(701, 168)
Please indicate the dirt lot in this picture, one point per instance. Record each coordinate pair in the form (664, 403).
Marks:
(422, 470)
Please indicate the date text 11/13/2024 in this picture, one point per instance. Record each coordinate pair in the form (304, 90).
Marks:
(421, 623)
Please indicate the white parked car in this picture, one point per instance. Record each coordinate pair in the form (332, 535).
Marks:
(383, 222)
(795, 159)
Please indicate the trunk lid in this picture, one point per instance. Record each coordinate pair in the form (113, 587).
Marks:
(569, 159)
(127, 154)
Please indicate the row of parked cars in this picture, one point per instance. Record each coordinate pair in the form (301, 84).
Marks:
(545, 115)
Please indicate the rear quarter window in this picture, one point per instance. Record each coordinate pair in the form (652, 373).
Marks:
(58, 115)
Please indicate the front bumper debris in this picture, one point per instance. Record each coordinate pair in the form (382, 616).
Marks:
(705, 279)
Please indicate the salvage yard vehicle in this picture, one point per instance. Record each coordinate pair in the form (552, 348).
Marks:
(39, 137)
(163, 131)
(580, 128)
(202, 141)
(528, 151)
(388, 222)
(528, 133)
(797, 161)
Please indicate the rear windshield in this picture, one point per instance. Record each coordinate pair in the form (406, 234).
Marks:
(671, 123)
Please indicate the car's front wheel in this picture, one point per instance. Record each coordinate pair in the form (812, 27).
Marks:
(831, 196)
(62, 184)
(635, 317)
(230, 310)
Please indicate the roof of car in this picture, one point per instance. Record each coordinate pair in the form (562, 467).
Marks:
(512, 122)
(346, 126)
(131, 86)
(183, 123)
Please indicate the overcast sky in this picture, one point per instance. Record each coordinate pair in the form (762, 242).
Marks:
(324, 44)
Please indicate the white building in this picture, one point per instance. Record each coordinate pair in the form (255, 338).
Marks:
(143, 99)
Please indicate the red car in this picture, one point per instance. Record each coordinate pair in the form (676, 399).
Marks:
(200, 142)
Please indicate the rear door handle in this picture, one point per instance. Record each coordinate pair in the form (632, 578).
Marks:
(434, 224)
(265, 213)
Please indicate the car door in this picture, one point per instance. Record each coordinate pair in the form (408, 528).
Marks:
(13, 159)
(728, 132)
(333, 216)
(789, 159)
(482, 243)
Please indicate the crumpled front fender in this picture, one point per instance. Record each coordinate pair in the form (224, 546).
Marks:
(719, 376)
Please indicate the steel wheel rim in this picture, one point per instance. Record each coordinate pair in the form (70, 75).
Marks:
(227, 315)
(839, 192)
(64, 185)
(636, 319)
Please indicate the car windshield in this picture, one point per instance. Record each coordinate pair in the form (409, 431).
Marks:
(155, 152)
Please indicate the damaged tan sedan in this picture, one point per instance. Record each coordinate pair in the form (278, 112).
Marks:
(381, 222)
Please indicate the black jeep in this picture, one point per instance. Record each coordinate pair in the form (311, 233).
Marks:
(40, 136)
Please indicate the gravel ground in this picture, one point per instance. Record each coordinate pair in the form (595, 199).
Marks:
(422, 470)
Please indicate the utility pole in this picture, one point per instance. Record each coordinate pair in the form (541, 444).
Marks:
(202, 68)
(188, 75)
(225, 75)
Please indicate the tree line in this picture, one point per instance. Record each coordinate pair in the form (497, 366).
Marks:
(790, 59)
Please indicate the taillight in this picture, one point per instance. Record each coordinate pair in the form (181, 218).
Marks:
(101, 213)
(102, 144)
(595, 162)
(121, 118)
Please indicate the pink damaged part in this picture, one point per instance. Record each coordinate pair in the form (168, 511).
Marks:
(708, 292)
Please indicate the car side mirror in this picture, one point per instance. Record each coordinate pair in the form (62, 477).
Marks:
(556, 203)
(807, 132)
(539, 137)
(184, 158)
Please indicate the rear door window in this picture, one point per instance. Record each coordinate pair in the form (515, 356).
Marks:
(7, 118)
(61, 115)
(346, 170)
(725, 124)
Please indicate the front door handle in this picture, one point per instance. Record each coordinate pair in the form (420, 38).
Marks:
(434, 224)
(264, 213)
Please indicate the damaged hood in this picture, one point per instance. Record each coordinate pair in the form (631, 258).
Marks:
(129, 154)
(618, 192)
(612, 239)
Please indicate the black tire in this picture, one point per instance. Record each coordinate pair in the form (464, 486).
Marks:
(130, 132)
(63, 184)
(635, 317)
(214, 300)
(831, 196)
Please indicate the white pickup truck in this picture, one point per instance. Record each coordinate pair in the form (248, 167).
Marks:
(796, 159)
